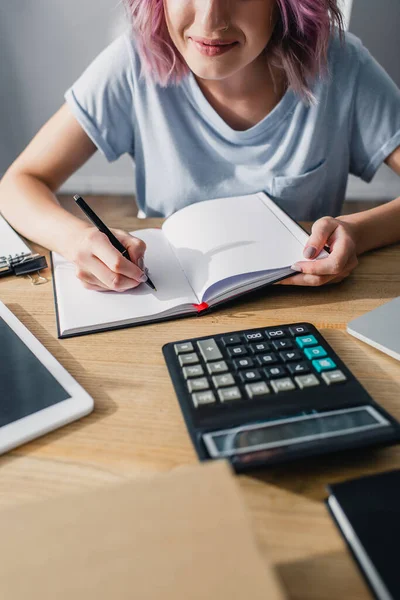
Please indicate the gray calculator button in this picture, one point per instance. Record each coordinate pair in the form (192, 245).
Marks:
(217, 367)
(223, 380)
(193, 371)
(209, 349)
(203, 398)
(257, 389)
(282, 385)
(196, 385)
(334, 377)
(185, 347)
(188, 359)
(305, 381)
(227, 394)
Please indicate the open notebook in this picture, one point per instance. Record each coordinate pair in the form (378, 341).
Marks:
(204, 254)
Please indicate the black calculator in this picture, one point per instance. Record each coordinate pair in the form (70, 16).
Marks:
(271, 395)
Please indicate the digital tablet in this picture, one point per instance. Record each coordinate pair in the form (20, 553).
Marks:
(37, 394)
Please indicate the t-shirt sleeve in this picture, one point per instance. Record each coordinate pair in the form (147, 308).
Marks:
(375, 122)
(102, 99)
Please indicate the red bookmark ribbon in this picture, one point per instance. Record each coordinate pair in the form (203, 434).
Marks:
(201, 307)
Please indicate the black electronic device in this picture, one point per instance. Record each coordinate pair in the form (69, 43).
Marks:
(272, 394)
(367, 512)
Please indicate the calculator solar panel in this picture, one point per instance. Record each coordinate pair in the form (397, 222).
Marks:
(272, 394)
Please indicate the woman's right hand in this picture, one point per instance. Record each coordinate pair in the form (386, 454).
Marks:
(28, 201)
(102, 267)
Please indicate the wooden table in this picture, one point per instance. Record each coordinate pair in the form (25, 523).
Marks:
(137, 428)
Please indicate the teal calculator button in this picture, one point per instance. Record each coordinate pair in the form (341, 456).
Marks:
(316, 352)
(323, 364)
(306, 340)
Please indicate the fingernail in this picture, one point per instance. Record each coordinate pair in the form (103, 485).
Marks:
(140, 263)
(309, 252)
(143, 278)
(296, 267)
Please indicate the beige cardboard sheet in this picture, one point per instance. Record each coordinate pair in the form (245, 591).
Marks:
(178, 536)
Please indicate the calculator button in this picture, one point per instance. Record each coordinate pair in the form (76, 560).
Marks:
(254, 336)
(181, 348)
(277, 371)
(247, 376)
(229, 340)
(296, 330)
(203, 398)
(209, 349)
(306, 340)
(316, 352)
(243, 363)
(227, 394)
(289, 355)
(273, 334)
(194, 371)
(267, 359)
(188, 359)
(283, 385)
(298, 368)
(196, 385)
(217, 367)
(260, 347)
(323, 364)
(255, 390)
(282, 344)
(334, 377)
(305, 381)
(223, 380)
(237, 351)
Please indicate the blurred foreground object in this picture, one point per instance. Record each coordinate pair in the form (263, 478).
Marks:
(178, 536)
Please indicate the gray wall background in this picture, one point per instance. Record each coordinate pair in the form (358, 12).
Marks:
(45, 45)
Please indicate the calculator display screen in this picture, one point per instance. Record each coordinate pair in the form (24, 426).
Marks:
(292, 431)
(26, 386)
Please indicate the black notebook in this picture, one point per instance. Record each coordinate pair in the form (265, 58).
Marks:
(367, 512)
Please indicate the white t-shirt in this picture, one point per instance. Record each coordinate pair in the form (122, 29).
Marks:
(185, 152)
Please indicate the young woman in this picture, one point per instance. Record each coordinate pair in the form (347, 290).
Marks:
(216, 98)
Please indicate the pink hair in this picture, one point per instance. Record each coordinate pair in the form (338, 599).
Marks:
(298, 44)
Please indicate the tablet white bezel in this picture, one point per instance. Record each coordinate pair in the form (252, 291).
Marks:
(32, 426)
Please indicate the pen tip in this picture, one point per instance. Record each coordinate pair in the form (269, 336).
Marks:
(76, 197)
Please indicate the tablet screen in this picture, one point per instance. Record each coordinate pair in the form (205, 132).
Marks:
(26, 386)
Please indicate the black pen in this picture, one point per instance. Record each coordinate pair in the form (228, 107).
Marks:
(97, 222)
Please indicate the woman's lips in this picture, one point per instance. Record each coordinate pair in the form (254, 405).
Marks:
(213, 49)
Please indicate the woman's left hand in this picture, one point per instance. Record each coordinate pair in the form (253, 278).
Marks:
(340, 237)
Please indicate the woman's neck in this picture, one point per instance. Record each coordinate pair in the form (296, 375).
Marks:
(246, 98)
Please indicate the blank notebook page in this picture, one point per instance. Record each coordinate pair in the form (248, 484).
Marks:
(79, 308)
(229, 237)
